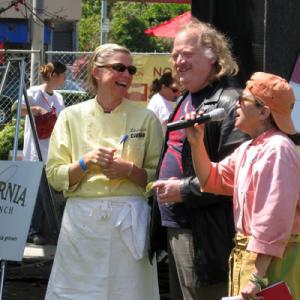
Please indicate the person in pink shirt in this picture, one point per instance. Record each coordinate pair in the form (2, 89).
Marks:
(263, 175)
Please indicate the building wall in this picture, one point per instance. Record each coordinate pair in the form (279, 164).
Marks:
(61, 17)
(68, 9)
(64, 35)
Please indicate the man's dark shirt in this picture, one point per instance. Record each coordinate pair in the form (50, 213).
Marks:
(174, 215)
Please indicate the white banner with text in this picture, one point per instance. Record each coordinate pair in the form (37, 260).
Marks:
(19, 184)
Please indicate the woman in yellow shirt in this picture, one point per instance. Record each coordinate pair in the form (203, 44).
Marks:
(102, 154)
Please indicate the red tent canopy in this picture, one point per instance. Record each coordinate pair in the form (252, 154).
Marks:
(168, 29)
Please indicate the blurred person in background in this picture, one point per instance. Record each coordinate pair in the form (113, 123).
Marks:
(79, 71)
(42, 99)
(102, 154)
(163, 92)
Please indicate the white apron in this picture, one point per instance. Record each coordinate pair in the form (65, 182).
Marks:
(101, 252)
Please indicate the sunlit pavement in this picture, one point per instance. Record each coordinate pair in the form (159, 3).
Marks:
(39, 252)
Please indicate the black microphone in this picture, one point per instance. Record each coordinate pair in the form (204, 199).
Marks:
(215, 115)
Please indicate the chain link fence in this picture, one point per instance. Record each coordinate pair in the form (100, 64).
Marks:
(73, 90)
(150, 66)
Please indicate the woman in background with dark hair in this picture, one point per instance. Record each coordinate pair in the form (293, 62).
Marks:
(42, 99)
(163, 92)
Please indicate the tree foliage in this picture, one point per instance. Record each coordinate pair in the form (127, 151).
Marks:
(7, 134)
(89, 33)
(128, 20)
(90, 8)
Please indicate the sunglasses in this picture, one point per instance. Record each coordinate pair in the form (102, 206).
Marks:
(120, 68)
(257, 102)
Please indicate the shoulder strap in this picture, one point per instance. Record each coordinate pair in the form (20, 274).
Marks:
(45, 99)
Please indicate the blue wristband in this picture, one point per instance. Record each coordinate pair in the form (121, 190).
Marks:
(82, 165)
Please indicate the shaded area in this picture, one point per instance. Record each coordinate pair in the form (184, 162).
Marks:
(265, 34)
(27, 279)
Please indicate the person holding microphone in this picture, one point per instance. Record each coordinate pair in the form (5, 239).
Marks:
(263, 175)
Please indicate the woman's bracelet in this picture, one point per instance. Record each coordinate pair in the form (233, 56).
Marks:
(82, 165)
(131, 169)
(257, 280)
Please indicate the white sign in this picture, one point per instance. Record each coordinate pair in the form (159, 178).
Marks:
(105, 25)
(105, 28)
(18, 190)
(106, 22)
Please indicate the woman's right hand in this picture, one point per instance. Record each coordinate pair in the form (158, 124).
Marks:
(94, 160)
(38, 110)
(35, 109)
(103, 157)
(194, 133)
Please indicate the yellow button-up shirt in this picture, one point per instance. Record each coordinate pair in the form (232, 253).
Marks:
(134, 131)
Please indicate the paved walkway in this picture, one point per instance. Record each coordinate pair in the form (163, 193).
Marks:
(39, 252)
(27, 280)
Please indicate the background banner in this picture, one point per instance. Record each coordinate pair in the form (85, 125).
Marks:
(149, 67)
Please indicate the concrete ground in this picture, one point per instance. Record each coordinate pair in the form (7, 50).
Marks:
(27, 280)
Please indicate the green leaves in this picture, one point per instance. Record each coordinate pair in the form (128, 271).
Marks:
(7, 138)
(89, 33)
(90, 8)
(127, 24)
(129, 20)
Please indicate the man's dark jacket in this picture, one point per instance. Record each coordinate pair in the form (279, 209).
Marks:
(210, 216)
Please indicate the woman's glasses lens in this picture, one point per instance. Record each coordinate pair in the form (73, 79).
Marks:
(257, 102)
(121, 68)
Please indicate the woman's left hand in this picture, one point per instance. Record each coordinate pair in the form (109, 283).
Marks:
(118, 168)
(249, 292)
